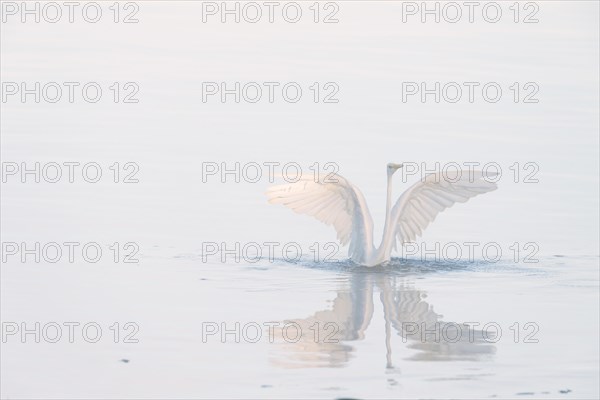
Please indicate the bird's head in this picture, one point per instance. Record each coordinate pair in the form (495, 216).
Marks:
(391, 168)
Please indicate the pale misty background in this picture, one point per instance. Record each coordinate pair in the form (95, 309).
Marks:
(171, 132)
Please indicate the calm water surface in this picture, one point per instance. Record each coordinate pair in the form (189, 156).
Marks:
(206, 328)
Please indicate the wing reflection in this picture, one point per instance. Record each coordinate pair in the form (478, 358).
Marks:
(327, 335)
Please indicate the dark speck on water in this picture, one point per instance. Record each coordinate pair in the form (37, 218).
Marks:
(565, 391)
(124, 360)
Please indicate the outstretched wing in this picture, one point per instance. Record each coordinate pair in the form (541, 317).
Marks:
(422, 202)
(334, 201)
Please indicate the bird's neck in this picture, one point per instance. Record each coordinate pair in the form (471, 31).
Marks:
(388, 201)
(386, 243)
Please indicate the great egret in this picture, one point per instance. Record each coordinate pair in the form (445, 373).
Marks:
(339, 203)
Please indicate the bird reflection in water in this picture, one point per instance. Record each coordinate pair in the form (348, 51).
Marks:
(327, 335)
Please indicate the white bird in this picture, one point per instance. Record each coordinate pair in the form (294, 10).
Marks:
(339, 203)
